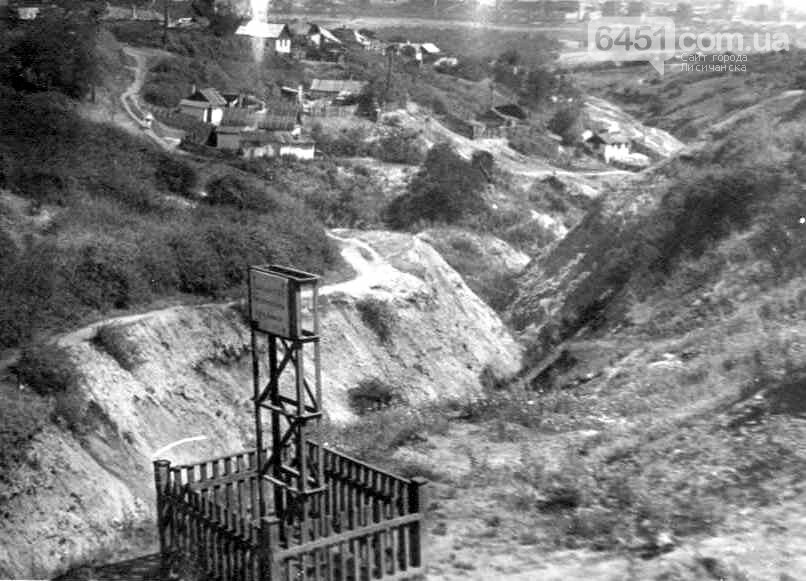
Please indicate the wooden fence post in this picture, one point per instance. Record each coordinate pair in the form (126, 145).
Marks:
(162, 470)
(269, 544)
(418, 500)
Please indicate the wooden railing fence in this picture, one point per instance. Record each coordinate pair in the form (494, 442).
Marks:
(367, 524)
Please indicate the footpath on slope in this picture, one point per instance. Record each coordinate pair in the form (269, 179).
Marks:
(129, 96)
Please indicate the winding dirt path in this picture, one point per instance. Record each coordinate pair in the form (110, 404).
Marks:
(129, 96)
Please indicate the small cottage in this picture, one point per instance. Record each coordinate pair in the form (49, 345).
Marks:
(429, 52)
(206, 105)
(277, 37)
(611, 146)
(321, 37)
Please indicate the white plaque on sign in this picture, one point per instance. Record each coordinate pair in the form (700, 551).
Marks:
(268, 303)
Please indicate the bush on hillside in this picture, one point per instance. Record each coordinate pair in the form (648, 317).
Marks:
(8, 250)
(113, 340)
(177, 176)
(23, 415)
(233, 191)
(372, 395)
(698, 212)
(403, 147)
(54, 52)
(379, 316)
(348, 142)
(567, 123)
(446, 189)
(47, 369)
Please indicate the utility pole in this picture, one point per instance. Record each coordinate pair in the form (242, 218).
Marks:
(389, 54)
(165, 24)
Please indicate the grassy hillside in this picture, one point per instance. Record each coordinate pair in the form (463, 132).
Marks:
(685, 103)
(94, 219)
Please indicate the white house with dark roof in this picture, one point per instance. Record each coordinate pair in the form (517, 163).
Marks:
(205, 105)
(276, 36)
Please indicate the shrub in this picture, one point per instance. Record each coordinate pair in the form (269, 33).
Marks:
(484, 162)
(177, 176)
(490, 379)
(30, 293)
(8, 251)
(348, 142)
(446, 189)
(379, 316)
(47, 369)
(567, 123)
(22, 416)
(372, 395)
(102, 274)
(113, 340)
(200, 271)
(400, 148)
(234, 191)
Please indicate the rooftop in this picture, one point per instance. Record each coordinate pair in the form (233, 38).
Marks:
(337, 86)
(257, 29)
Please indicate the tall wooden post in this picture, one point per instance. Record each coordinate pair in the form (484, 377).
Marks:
(418, 501)
(162, 469)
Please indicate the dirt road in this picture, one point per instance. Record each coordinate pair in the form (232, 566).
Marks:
(129, 96)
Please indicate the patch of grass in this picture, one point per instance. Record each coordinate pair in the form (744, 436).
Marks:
(378, 434)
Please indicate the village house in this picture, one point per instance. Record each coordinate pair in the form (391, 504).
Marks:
(352, 37)
(237, 99)
(502, 116)
(336, 88)
(321, 37)
(252, 120)
(206, 105)
(27, 12)
(263, 143)
(277, 37)
(426, 52)
(611, 146)
(429, 52)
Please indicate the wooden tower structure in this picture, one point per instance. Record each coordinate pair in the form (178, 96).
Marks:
(287, 413)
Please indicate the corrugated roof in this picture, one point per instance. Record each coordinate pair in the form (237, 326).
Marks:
(337, 86)
(430, 48)
(194, 104)
(257, 29)
(213, 97)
